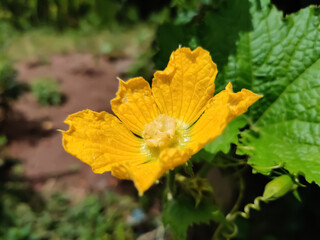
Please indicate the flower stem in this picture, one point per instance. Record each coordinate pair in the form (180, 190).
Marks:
(171, 183)
(233, 212)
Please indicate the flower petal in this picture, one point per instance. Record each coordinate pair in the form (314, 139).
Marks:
(135, 104)
(101, 140)
(221, 109)
(183, 89)
(144, 175)
(173, 157)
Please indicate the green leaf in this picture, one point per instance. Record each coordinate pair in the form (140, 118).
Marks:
(216, 28)
(181, 213)
(220, 30)
(169, 38)
(229, 135)
(280, 58)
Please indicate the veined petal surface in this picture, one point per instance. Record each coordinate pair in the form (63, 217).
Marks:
(183, 89)
(101, 140)
(144, 175)
(173, 157)
(135, 104)
(221, 109)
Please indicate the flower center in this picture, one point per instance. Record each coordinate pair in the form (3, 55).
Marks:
(160, 132)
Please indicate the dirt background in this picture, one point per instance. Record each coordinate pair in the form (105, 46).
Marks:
(86, 83)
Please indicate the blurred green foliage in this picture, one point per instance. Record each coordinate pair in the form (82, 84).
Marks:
(24, 214)
(10, 88)
(37, 29)
(47, 91)
(7, 34)
(3, 140)
(96, 217)
(8, 83)
(64, 14)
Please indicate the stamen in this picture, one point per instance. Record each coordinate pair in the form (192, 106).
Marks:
(160, 132)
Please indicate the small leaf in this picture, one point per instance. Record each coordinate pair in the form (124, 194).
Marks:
(181, 213)
(229, 135)
(218, 216)
(297, 195)
(202, 155)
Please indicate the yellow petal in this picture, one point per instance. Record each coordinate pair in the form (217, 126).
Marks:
(240, 102)
(173, 157)
(183, 89)
(220, 110)
(144, 175)
(135, 104)
(101, 140)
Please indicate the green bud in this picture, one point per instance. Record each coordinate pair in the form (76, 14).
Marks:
(278, 187)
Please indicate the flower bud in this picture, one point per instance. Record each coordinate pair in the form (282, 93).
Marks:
(278, 187)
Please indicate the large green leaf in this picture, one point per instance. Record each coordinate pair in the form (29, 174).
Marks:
(280, 58)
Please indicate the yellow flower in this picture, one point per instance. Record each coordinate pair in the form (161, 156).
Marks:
(159, 127)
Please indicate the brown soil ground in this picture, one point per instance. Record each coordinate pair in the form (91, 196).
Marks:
(86, 83)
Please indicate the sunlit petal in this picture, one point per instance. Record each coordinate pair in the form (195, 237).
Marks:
(143, 175)
(101, 140)
(221, 109)
(173, 157)
(134, 104)
(183, 89)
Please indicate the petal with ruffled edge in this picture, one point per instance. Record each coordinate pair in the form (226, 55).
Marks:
(135, 104)
(102, 141)
(143, 175)
(221, 109)
(183, 89)
(169, 158)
